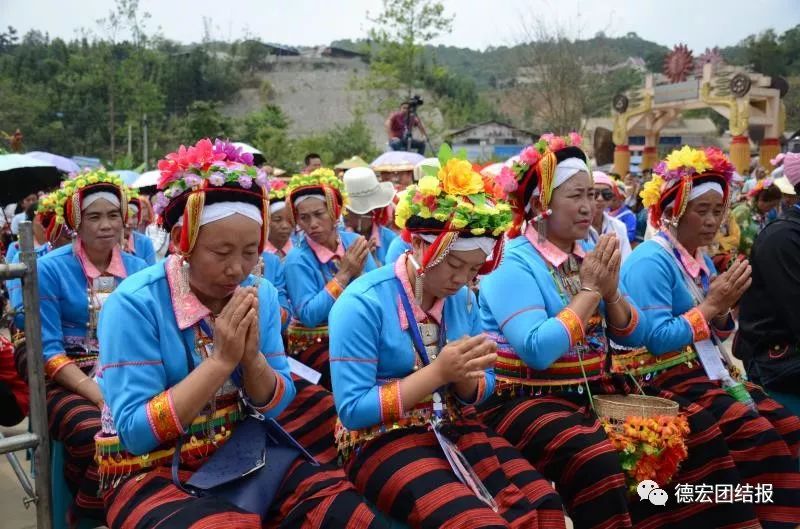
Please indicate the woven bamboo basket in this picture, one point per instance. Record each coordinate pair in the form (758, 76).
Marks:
(620, 407)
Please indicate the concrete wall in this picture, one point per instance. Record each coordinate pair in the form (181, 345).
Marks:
(318, 93)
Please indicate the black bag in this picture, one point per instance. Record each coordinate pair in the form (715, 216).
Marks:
(249, 468)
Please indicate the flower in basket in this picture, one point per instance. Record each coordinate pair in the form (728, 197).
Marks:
(649, 448)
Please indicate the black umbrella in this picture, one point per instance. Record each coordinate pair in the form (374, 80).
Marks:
(21, 175)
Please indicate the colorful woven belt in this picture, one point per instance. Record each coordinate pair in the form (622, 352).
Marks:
(350, 441)
(564, 374)
(116, 463)
(300, 338)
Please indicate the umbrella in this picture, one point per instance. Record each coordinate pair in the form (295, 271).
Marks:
(21, 175)
(148, 179)
(63, 164)
(396, 161)
(492, 170)
(258, 156)
(129, 177)
(351, 163)
(86, 161)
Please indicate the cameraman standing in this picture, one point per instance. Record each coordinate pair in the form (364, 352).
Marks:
(400, 127)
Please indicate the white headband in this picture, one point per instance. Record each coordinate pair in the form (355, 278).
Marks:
(567, 169)
(277, 206)
(299, 200)
(94, 197)
(223, 210)
(466, 244)
(704, 188)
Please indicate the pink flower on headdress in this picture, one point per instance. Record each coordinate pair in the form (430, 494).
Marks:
(245, 181)
(529, 156)
(261, 178)
(192, 180)
(557, 143)
(507, 180)
(202, 155)
(720, 163)
(216, 179)
(547, 137)
(575, 139)
(160, 203)
(232, 153)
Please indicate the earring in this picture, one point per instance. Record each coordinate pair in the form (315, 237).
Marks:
(418, 289)
(541, 224)
(183, 288)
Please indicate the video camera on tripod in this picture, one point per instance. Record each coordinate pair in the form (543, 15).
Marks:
(412, 119)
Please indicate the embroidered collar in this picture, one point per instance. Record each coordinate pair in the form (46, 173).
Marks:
(188, 309)
(115, 268)
(693, 264)
(420, 315)
(324, 255)
(269, 247)
(549, 251)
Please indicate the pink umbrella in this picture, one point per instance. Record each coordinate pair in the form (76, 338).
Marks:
(396, 161)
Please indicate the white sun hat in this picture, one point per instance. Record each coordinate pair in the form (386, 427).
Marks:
(784, 185)
(365, 192)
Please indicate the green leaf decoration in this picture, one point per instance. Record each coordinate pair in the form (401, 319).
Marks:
(478, 199)
(445, 153)
(429, 170)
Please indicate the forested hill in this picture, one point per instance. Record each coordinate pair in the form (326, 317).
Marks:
(487, 66)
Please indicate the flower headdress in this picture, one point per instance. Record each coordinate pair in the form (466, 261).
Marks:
(674, 177)
(277, 190)
(454, 201)
(322, 181)
(536, 169)
(193, 176)
(66, 202)
(46, 211)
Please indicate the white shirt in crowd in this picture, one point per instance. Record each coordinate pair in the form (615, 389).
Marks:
(617, 227)
(19, 217)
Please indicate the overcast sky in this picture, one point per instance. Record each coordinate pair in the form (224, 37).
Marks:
(478, 23)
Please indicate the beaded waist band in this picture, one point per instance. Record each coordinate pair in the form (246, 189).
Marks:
(568, 371)
(116, 463)
(641, 363)
(300, 338)
(350, 441)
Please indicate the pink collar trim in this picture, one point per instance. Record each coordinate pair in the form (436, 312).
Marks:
(693, 264)
(269, 247)
(188, 309)
(115, 268)
(551, 253)
(419, 314)
(324, 255)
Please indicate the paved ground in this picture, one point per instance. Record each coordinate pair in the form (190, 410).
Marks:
(14, 514)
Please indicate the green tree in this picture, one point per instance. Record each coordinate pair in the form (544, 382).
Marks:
(204, 120)
(399, 34)
(764, 53)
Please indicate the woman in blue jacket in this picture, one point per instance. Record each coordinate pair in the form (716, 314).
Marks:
(407, 354)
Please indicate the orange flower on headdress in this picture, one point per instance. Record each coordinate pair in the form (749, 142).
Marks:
(459, 178)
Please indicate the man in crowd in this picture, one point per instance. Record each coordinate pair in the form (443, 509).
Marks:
(313, 161)
(769, 324)
(400, 130)
(20, 216)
